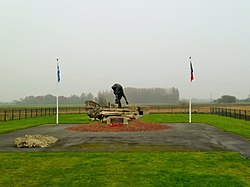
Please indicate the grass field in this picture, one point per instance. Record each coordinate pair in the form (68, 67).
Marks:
(126, 169)
(31, 122)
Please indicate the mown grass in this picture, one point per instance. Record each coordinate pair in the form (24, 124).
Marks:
(14, 125)
(236, 126)
(124, 169)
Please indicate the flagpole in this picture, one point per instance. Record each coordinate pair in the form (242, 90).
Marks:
(190, 104)
(190, 95)
(58, 80)
(57, 110)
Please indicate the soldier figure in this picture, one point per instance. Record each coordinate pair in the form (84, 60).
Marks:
(118, 91)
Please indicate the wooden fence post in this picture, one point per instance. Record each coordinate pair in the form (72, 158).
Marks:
(12, 115)
(4, 118)
(19, 114)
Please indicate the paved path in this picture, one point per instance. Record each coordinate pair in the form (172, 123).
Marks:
(180, 137)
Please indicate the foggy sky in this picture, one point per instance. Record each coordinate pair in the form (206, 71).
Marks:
(137, 43)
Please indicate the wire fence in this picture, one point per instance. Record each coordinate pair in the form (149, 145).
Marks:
(17, 114)
(24, 113)
(232, 113)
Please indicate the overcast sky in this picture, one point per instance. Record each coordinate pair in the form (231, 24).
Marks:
(137, 43)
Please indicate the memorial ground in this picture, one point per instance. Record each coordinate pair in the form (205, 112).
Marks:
(184, 154)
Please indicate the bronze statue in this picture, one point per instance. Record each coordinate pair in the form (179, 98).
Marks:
(118, 91)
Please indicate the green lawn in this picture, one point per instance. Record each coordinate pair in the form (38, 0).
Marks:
(124, 169)
(31, 122)
(236, 126)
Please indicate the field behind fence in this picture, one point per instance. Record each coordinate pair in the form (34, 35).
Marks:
(179, 109)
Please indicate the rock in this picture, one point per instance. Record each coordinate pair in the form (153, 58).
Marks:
(35, 141)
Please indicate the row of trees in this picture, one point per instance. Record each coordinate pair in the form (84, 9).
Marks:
(50, 99)
(134, 95)
(143, 96)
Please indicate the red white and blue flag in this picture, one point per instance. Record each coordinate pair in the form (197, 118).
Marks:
(192, 71)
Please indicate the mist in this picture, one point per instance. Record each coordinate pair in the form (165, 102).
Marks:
(141, 44)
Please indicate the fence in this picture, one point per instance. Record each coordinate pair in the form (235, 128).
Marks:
(233, 113)
(17, 114)
(179, 109)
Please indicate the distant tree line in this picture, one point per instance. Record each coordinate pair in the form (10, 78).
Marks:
(143, 96)
(134, 96)
(226, 99)
(231, 99)
(50, 99)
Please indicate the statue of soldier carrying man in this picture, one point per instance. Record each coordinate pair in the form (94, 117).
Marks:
(118, 91)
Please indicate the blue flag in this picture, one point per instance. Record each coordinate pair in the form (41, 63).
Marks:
(58, 74)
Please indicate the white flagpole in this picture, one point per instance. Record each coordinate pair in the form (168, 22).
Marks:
(57, 110)
(58, 80)
(190, 106)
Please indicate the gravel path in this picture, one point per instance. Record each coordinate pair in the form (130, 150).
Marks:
(179, 137)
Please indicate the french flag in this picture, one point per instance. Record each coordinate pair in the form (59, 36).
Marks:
(192, 71)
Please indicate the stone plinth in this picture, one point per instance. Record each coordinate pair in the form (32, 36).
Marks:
(117, 119)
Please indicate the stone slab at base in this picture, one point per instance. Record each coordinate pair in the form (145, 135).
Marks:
(117, 119)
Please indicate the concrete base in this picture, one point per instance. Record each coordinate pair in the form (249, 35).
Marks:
(117, 119)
